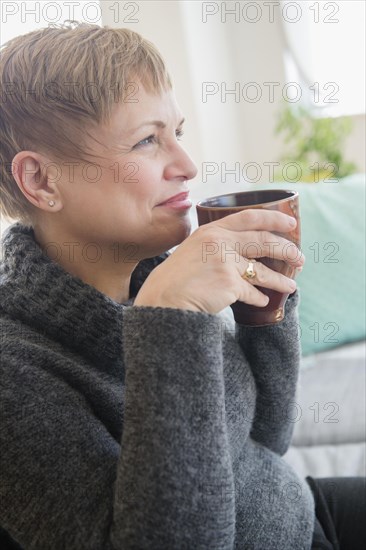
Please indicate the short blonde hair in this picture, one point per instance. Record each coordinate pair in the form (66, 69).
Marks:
(58, 81)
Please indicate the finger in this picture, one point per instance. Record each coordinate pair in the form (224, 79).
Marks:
(267, 278)
(258, 219)
(259, 244)
(249, 294)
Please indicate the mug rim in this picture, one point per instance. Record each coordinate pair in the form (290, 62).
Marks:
(200, 205)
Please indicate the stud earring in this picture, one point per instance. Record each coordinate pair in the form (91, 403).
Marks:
(51, 203)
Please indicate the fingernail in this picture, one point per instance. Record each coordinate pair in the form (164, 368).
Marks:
(293, 221)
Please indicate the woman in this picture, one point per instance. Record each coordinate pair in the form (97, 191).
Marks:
(131, 417)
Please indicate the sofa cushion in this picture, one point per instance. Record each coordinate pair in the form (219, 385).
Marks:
(329, 414)
(328, 460)
(330, 403)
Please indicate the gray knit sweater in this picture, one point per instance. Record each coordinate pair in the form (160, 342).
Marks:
(135, 428)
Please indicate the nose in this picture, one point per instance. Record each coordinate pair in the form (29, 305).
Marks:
(181, 165)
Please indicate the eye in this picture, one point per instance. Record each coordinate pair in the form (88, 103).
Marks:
(154, 139)
(146, 141)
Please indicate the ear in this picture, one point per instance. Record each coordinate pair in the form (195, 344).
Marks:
(37, 179)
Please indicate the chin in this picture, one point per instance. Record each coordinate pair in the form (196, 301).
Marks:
(176, 236)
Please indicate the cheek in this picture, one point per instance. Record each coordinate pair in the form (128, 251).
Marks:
(128, 185)
(129, 174)
(141, 180)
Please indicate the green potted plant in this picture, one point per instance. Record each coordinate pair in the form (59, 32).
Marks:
(316, 145)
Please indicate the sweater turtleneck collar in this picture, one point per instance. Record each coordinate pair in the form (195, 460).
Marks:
(40, 293)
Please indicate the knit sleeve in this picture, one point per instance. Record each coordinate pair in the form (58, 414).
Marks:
(273, 353)
(176, 457)
(66, 482)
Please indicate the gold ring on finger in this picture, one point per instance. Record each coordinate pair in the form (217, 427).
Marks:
(249, 273)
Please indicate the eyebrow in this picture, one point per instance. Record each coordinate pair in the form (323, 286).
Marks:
(157, 123)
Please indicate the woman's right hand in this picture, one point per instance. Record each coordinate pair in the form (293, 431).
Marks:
(204, 273)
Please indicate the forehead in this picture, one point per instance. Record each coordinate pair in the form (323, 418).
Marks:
(140, 106)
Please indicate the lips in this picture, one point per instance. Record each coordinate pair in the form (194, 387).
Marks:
(175, 198)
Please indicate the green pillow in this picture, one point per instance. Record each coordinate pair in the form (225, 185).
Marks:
(332, 283)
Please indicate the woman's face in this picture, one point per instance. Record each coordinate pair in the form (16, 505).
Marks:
(116, 200)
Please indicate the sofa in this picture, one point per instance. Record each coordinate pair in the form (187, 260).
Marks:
(329, 411)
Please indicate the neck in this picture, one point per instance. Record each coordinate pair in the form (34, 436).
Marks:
(103, 267)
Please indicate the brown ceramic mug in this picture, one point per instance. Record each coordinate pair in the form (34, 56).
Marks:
(215, 208)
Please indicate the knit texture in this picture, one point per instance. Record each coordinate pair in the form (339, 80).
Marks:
(131, 428)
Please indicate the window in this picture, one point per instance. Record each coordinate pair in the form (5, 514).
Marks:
(326, 54)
